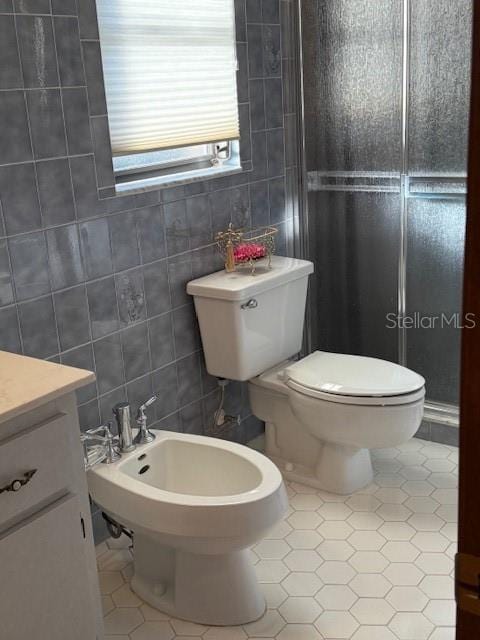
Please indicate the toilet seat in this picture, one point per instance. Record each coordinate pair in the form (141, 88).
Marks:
(381, 401)
(350, 379)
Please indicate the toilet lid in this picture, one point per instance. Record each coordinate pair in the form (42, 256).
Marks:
(348, 375)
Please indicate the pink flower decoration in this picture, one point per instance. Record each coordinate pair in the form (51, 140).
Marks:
(246, 252)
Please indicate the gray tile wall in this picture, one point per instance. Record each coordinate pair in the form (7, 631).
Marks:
(99, 282)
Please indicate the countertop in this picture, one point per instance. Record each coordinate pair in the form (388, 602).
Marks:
(26, 383)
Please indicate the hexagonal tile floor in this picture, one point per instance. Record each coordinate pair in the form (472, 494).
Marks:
(377, 565)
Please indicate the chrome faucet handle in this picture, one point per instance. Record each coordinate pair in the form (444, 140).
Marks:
(143, 407)
(103, 435)
(94, 434)
(144, 435)
(90, 458)
(111, 444)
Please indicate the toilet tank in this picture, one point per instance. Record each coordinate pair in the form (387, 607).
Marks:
(249, 323)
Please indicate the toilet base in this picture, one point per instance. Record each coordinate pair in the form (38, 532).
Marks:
(343, 469)
(339, 469)
(208, 589)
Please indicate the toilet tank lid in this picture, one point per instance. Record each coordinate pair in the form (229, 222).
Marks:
(242, 285)
(350, 375)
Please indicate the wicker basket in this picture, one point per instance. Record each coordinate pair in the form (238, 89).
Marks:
(246, 249)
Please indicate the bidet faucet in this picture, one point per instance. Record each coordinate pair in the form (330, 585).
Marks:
(121, 411)
(144, 435)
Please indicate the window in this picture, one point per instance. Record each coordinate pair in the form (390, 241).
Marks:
(170, 81)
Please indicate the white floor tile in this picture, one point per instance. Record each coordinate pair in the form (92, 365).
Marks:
(400, 551)
(334, 511)
(272, 549)
(114, 560)
(426, 521)
(107, 604)
(397, 531)
(335, 530)
(366, 540)
(430, 541)
(305, 502)
(185, 628)
(305, 520)
(124, 597)
(300, 610)
(373, 633)
(439, 587)
(448, 512)
(365, 521)
(407, 599)
(299, 632)
(372, 611)
(362, 502)
(303, 560)
(434, 563)
(441, 612)
(337, 624)
(376, 565)
(301, 584)
(394, 512)
(370, 585)
(411, 626)
(303, 539)
(225, 633)
(151, 614)
(122, 621)
(267, 627)
(336, 597)
(153, 631)
(110, 581)
(404, 574)
(443, 633)
(274, 594)
(271, 570)
(335, 550)
(368, 562)
(334, 572)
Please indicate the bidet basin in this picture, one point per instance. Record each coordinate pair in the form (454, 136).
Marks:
(184, 467)
(194, 504)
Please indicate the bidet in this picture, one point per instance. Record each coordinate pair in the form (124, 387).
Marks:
(195, 505)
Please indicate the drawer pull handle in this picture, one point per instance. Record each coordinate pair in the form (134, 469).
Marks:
(18, 483)
(250, 304)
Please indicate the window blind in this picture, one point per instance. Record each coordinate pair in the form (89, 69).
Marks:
(170, 72)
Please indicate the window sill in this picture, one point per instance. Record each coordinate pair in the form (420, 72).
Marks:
(140, 185)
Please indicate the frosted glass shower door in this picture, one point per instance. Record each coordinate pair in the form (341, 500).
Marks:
(386, 94)
(352, 52)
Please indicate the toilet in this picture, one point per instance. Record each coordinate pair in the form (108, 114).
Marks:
(194, 505)
(323, 413)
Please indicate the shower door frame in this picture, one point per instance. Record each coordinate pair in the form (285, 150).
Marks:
(438, 412)
(468, 619)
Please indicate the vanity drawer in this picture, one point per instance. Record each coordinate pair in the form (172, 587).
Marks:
(43, 448)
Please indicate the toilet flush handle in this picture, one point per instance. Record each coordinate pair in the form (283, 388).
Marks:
(250, 304)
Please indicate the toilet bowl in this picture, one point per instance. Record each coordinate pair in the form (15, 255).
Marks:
(324, 412)
(195, 505)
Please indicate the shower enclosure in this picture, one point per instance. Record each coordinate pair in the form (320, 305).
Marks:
(386, 95)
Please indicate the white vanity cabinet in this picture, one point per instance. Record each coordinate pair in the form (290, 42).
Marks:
(48, 578)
